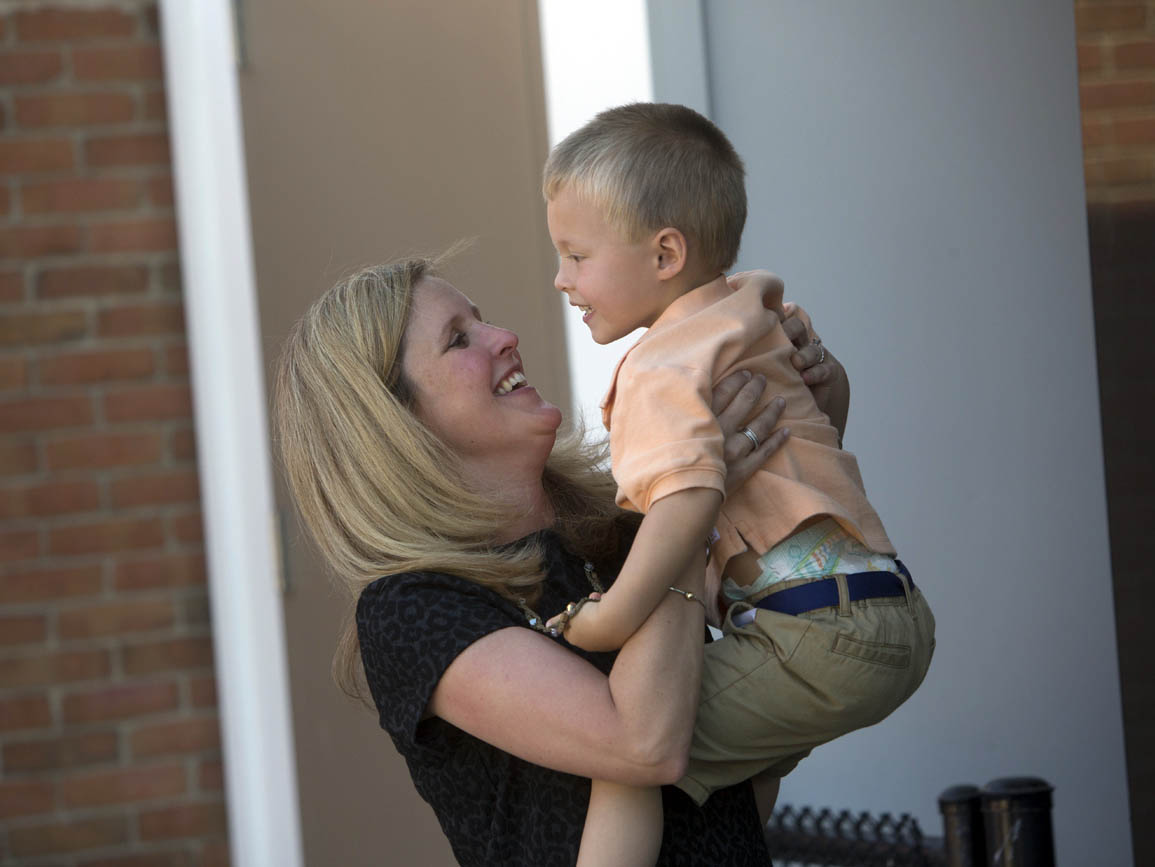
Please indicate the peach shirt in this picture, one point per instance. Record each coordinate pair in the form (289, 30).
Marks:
(664, 438)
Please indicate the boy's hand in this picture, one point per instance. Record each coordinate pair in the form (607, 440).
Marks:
(579, 628)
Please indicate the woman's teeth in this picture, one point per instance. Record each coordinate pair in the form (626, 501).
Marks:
(514, 380)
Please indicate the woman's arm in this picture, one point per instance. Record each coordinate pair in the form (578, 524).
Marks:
(529, 696)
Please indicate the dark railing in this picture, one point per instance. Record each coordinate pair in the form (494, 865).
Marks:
(1007, 823)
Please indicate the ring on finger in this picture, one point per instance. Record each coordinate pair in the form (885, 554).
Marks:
(821, 350)
(750, 435)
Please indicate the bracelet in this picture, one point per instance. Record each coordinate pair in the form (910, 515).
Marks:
(690, 597)
(571, 610)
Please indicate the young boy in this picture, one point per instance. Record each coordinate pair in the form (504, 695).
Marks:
(824, 631)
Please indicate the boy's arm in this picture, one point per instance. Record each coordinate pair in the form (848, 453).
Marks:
(672, 535)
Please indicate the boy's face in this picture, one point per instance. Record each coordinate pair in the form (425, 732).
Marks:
(613, 280)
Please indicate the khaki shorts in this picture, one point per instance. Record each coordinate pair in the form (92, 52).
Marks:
(777, 687)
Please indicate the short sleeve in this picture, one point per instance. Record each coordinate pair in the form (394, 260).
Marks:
(664, 438)
(411, 627)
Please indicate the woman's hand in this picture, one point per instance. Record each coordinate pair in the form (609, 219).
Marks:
(733, 402)
(820, 370)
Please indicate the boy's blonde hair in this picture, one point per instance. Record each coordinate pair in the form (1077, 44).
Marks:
(651, 165)
(378, 492)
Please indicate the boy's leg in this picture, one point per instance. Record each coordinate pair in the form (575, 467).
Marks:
(623, 826)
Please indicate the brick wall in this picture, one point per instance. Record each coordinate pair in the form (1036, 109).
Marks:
(1116, 44)
(109, 742)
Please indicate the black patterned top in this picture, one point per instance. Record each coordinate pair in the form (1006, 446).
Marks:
(495, 808)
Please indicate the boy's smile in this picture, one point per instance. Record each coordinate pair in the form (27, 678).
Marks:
(614, 281)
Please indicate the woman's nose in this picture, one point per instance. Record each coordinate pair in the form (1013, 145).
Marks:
(504, 340)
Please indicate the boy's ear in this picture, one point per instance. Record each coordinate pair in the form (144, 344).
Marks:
(670, 250)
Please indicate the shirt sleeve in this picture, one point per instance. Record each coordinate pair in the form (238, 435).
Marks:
(411, 627)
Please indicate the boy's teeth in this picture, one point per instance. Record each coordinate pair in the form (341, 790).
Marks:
(510, 383)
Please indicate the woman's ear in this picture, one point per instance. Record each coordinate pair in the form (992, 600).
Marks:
(670, 252)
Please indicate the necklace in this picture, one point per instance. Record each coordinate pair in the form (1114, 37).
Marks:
(534, 619)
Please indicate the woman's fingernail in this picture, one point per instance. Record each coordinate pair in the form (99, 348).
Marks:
(779, 402)
(746, 374)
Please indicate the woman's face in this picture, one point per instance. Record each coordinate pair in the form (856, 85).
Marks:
(467, 377)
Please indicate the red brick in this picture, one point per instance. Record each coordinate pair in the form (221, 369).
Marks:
(211, 776)
(30, 67)
(49, 668)
(177, 654)
(49, 584)
(67, 836)
(18, 545)
(13, 373)
(176, 360)
(73, 25)
(203, 691)
(187, 528)
(120, 702)
(23, 329)
(111, 365)
(67, 751)
(182, 445)
(199, 735)
(103, 450)
(106, 537)
(92, 280)
(17, 457)
(1096, 133)
(5, 198)
(1135, 55)
(144, 149)
(173, 487)
(169, 570)
(1116, 94)
(155, 107)
(11, 286)
(149, 859)
(142, 319)
(48, 498)
(1128, 16)
(1119, 171)
(80, 195)
(116, 618)
(38, 155)
(32, 242)
(1135, 132)
(1090, 56)
(215, 853)
(185, 820)
(148, 403)
(131, 62)
(196, 611)
(170, 279)
(44, 413)
(25, 798)
(160, 191)
(24, 712)
(74, 109)
(123, 786)
(135, 236)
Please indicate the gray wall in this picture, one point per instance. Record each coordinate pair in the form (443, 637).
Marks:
(915, 175)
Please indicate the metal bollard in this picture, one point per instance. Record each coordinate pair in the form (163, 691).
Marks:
(1017, 822)
(962, 826)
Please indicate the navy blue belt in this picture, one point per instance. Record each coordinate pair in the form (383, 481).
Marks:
(824, 593)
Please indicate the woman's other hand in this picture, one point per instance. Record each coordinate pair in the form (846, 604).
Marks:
(821, 371)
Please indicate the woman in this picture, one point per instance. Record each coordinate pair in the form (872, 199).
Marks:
(418, 450)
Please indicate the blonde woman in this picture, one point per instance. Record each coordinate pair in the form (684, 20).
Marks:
(431, 474)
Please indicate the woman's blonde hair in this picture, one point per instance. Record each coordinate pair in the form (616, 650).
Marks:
(378, 492)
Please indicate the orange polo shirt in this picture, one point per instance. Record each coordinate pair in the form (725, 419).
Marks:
(664, 438)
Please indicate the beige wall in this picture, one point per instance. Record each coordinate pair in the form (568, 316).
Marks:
(375, 130)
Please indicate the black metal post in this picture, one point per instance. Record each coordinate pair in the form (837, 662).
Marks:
(962, 826)
(1017, 822)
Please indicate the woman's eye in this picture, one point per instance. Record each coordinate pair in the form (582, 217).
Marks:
(458, 339)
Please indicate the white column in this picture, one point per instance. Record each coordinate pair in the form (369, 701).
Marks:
(231, 429)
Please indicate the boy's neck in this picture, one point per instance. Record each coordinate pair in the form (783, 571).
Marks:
(689, 282)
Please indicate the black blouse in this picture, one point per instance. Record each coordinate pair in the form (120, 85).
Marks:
(495, 808)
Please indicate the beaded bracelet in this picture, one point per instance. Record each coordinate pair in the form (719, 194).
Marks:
(690, 597)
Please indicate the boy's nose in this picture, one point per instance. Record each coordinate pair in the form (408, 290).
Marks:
(559, 282)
